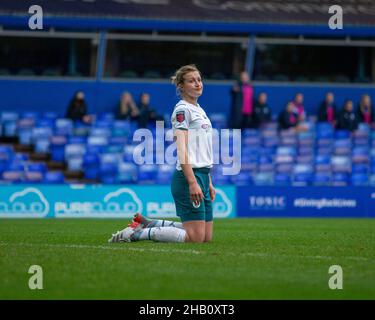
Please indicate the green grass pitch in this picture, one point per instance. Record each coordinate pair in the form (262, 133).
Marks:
(248, 259)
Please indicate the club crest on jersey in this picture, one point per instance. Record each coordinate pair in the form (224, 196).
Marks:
(180, 116)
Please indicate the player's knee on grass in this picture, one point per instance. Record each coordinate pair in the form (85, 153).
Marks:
(196, 235)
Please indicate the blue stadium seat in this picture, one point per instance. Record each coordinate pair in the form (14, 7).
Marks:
(342, 147)
(6, 155)
(263, 179)
(308, 159)
(282, 179)
(36, 167)
(322, 179)
(128, 153)
(58, 148)
(54, 177)
(9, 123)
(91, 165)
(41, 139)
(127, 172)
(147, 173)
(341, 164)
(359, 179)
(303, 174)
(50, 115)
(19, 156)
(342, 134)
(324, 130)
(372, 180)
(77, 140)
(108, 173)
(100, 132)
(106, 116)
(340, 179)
(218, 120)
(63, 127)
(305, 151)
(30, 115)
(360, 155)
(242, 179)
(270, 142)
(74, 156)
(24, 130)
(324, 151)
(13, 176)
(164, 174)
(285, 155)
(33, 177)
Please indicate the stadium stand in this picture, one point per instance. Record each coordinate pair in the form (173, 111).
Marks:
(104, 154)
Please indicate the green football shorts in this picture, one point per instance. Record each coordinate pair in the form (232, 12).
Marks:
(181, 195)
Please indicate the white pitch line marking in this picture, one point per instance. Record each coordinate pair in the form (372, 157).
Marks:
(188, 251)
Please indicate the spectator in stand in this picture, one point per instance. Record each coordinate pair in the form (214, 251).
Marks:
(242, 102)
(77, 109)
(298, 107)
(127, 109)
(365, 111)
(147, 114)
(262, 112)
(288, 118)
(327, 110)
(348, 119)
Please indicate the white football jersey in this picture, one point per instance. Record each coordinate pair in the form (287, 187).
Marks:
(187, 116)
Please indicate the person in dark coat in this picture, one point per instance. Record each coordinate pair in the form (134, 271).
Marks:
(288, 118)
(77, 109)
(147, 114)
(242, 103)
(327, 111)
(348, 119)
(262, 112)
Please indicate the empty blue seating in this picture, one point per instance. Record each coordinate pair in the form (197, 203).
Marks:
(54, 177)
(25, 129)
(147, 173)
(342, 134)
(282, 179)
(218, 120)
(91, 165)
(35, 172)
(9, 123)
(164, 174)
(41, 139)
(303, 174)
(63, 127)
(324, 130)
(242, 179)
(360, 155)
(341, 164)
(322, 179)
(74, 156)
(263, 179)
(342, 147)
(359, 179)
(58, 148)
(340, 179)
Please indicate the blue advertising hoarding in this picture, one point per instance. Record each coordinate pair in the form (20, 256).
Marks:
(98, 201)
(306, 202)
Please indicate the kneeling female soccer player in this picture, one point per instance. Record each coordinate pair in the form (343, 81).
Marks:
(191, 187)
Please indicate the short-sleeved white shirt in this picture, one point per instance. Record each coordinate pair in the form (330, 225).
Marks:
(193, 118)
